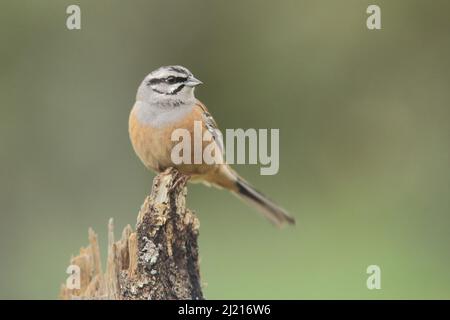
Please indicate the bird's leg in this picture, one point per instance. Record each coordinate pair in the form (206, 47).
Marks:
(180, 180)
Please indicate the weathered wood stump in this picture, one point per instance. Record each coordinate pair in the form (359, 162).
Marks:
(157, 261)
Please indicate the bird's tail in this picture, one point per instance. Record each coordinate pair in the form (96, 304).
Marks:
(269, 209)
(246, 192)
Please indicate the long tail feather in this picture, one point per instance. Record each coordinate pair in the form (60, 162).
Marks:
(269, 209)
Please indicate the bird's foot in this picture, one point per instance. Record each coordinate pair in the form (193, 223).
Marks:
(180, 180)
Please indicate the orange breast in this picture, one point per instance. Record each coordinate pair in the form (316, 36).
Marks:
(154, 145)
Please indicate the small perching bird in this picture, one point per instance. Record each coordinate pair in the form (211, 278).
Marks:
(165, 102)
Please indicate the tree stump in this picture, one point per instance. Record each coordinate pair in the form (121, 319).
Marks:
(157, 261)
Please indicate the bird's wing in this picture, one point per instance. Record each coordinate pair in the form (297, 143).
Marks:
(212, 127)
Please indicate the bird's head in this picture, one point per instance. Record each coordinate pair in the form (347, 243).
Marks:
(168, 84)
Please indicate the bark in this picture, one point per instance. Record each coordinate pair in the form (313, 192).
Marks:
(157, 261)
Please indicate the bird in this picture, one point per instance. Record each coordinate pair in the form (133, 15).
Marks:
(165, 101)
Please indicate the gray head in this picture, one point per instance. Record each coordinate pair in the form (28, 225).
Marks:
(169, 85)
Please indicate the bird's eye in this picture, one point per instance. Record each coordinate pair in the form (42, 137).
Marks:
(171, 80)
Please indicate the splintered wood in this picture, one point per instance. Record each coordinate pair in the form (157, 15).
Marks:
(157, 261)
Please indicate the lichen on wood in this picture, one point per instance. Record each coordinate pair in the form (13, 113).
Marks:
(157, 261)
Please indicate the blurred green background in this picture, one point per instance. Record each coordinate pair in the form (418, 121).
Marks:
(364, 129)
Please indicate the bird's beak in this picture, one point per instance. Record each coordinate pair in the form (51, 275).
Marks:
(193, 82)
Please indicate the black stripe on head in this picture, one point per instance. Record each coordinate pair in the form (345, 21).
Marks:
(178, 89)
(154, 81)
(157, 91)
(173, 80)
(169, 80)
(179, 70)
